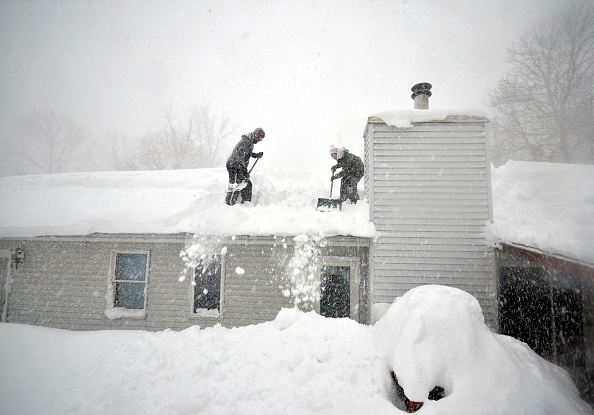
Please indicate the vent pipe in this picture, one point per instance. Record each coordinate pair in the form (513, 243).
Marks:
(421, 94)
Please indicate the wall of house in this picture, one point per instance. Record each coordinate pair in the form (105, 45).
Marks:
(429, 193)
(63, 281)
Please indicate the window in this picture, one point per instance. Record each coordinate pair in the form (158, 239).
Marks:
(127, 291)
(207, 287)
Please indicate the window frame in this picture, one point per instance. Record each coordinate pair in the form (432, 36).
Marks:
(6, 254)
(206, 313)
(355, 281)
(113, 312)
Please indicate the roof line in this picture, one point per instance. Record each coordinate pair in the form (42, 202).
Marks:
(558, 262)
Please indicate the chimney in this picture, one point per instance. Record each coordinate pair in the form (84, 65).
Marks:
(421, 94)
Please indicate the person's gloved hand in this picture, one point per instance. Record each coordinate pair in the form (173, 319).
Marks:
(333, 168)
(332, 178)
(259, 155)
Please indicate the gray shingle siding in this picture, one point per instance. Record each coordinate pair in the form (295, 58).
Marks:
(429, 199)
(63, 281)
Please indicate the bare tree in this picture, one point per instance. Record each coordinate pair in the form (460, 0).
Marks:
(195, 143)
(114, 155)
(50, 142)
(210, 133)
(544, 104)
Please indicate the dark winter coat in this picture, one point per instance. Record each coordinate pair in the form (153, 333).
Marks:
(351, 166)
(240, 157)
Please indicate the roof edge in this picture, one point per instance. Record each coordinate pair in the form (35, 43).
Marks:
(559, 262)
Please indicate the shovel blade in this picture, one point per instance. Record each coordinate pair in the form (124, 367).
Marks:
(329, 205)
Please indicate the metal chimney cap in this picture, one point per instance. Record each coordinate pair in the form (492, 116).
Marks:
(421, 88)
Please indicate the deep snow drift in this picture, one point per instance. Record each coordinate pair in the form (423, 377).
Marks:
(300, 363)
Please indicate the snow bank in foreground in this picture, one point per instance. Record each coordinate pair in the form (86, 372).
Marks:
(301, 363)
(548, 206)
(436, 336)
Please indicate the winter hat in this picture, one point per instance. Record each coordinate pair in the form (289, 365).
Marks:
(333, 149)
(341, 152)
(259, 131)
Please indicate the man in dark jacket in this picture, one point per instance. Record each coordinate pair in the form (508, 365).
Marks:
(352, 171)
(239, 179)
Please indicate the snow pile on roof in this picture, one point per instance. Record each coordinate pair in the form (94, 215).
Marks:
(541, 205)
(284, 203)
(406, 118)
(301, 363)
(547, 206)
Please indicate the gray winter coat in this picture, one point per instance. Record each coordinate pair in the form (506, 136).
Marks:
(240, 157)
(351, 166)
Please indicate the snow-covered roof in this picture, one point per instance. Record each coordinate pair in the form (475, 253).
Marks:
(179, 201)
(406, 118)
(547, 206)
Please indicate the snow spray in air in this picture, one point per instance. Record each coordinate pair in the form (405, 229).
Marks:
(197, 252)
(302, 284)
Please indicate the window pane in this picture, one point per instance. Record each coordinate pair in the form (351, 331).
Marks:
(207, 291)
(131, 267)
(129, 295)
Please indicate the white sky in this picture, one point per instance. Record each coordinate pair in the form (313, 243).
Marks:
(308, 72)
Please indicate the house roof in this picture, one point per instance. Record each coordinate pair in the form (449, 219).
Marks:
(179, 201)
(545, 206)
(406, 118)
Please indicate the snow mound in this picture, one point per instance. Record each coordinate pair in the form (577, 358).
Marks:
(436, 336)
(300, 363)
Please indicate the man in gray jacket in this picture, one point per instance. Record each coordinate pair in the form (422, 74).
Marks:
(352, 171)
(239, 179)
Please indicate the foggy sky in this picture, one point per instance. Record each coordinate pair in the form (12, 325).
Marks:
(308, 72)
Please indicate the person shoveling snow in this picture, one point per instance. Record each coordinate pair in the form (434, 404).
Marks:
(239, 177)
(352, 172)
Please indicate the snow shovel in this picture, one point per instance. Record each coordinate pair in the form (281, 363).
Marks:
(242, 185)
(329, 205)
(254, 165)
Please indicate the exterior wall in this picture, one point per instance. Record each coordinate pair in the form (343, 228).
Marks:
(63, 281)
(429, 194)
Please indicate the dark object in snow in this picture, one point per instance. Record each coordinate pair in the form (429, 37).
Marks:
(239, 176)
(436, 394)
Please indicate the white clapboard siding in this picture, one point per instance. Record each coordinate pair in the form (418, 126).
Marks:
(62, 282)
(428, 189)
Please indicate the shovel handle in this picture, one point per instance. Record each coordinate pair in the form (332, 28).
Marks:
(253, 165)
(331, 184)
